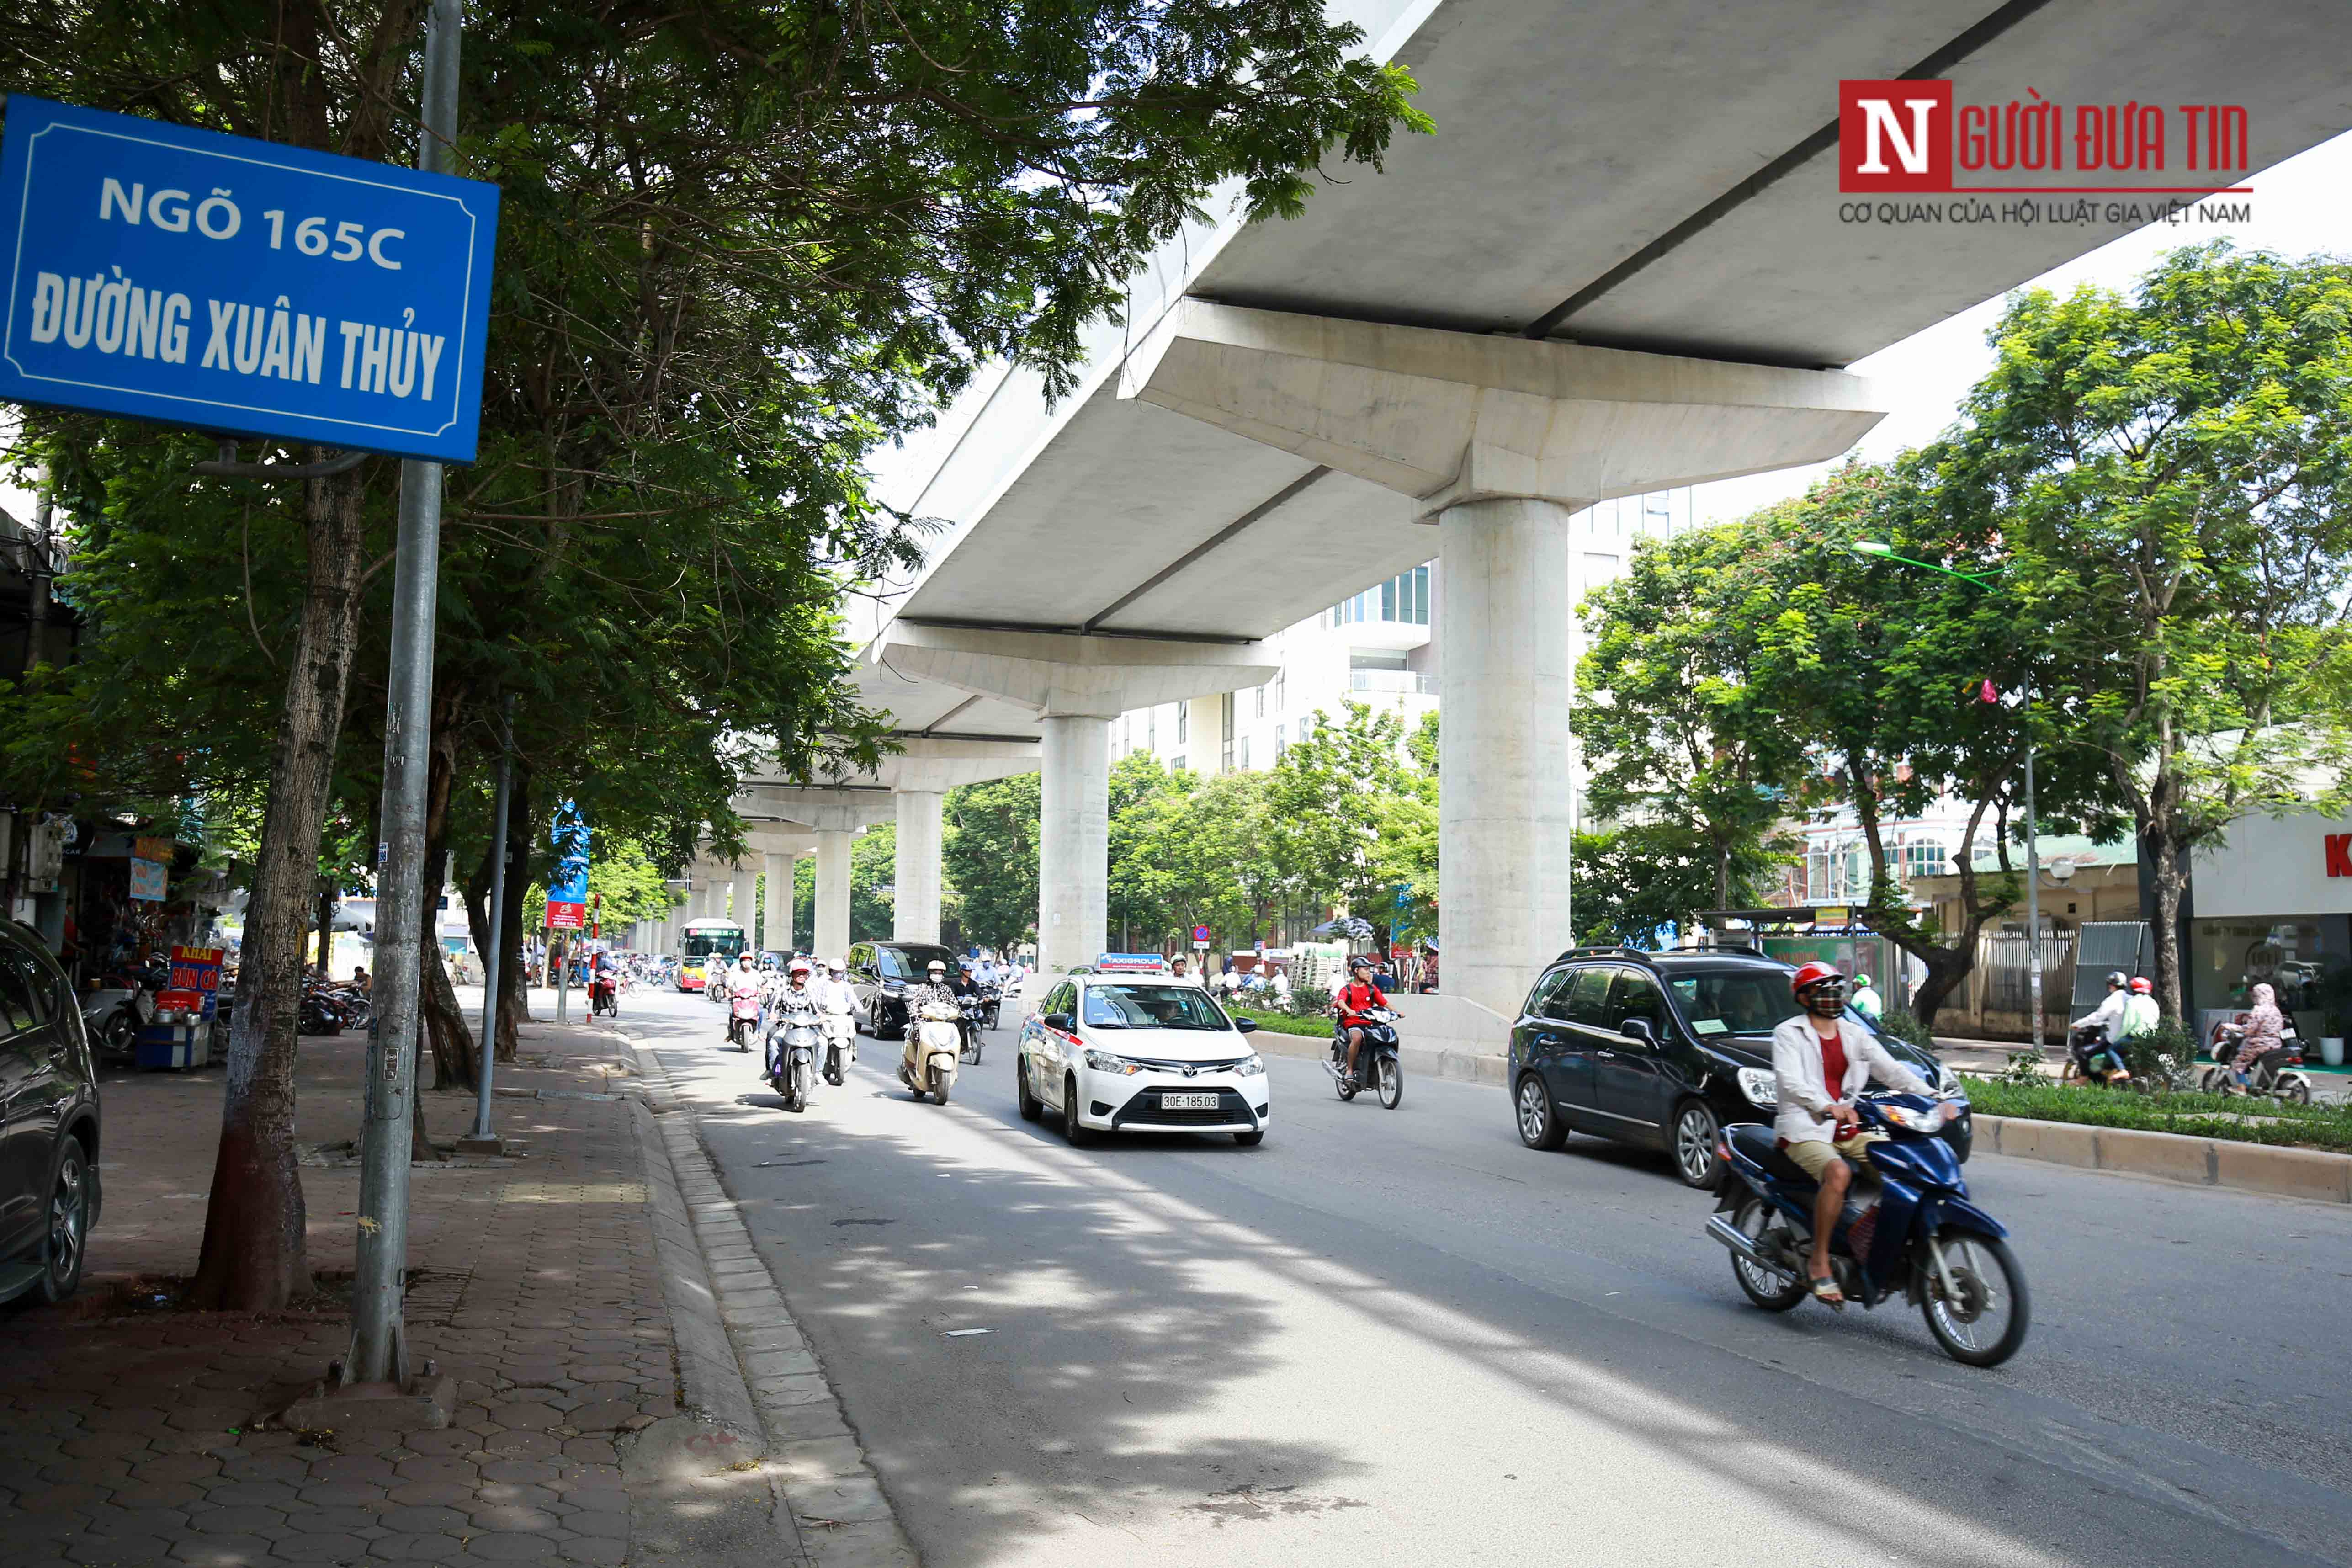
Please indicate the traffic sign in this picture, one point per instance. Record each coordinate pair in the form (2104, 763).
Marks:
(1200, 936)
(226, 284)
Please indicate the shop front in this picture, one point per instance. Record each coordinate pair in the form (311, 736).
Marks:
(2272, 905)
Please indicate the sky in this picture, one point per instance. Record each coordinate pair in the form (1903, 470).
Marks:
(2298, 210)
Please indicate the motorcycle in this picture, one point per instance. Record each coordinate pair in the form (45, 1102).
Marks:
(992, 998)
(974, 1011)
(2277, 1080)
(1377, 1067)
(604, 997)
(1915, 1232)
(743, 1015)
(2091, 1057)
(792, 1048)
(840, 1047)
(939, 1043)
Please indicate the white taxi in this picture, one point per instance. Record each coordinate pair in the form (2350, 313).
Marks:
(1140, 1053)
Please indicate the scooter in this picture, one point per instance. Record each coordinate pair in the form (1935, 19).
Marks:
(604, 996)
(938, 1042)
(1376, 1064)
(2276, 1080)
(742, 1017)
(793, 1048)
(840, 1047)
(1914, 1233)
(2091, 1057)
(974, 1009)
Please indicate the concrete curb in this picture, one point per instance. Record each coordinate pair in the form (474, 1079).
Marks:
(1462, 1067)
(812, 1458)
(2317, 1173)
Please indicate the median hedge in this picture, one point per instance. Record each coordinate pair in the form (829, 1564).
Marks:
(1283, 1023)
(2240, 1120)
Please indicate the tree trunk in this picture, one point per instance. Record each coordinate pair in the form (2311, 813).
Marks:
(440, 1018)
(2166, 857)
(325, 931)
(255, 1256)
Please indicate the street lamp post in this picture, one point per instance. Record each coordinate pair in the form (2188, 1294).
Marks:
(1880, 550)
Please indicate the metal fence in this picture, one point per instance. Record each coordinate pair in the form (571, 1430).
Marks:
(2001, 976)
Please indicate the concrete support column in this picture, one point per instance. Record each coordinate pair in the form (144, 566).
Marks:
(917, 916)
(778, 904)
(1074, 841)
(746, 894)
(1505, 791)
(833, 893)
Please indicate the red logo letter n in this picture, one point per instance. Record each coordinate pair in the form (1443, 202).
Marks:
(2339, 854)
(1895, 136)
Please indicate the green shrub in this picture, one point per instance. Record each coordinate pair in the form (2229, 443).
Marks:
(1904, 1024)
(1310, 1002)
(2320, 1126)
(2146, 1053)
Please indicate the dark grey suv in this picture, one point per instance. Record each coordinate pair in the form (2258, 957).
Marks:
(1662, 1050)
(49, 1125)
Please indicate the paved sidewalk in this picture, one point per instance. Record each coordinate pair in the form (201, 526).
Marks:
(130, 1430)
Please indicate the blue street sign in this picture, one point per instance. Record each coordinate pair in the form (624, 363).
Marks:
(225, 284)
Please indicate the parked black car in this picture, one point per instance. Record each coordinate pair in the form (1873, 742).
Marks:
(49, 1123)
(1661, 1050)
(879, 972)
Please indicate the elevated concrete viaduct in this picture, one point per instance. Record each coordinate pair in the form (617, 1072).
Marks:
(1621, 265)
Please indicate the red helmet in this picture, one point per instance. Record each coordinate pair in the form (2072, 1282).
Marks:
(2140, 987)
(1811, 976)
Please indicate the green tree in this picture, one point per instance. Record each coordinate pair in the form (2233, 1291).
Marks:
(2168, 473)
(1634, 881)
(1328, 799)
(1882, 666)
(988, 853)
(1680, 739)
(741, 242)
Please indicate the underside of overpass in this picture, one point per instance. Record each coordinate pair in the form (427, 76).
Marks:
(1620, 265)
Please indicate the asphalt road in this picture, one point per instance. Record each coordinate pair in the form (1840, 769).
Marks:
(1401, 1338)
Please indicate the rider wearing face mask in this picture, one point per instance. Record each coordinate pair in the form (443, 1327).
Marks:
(935, 988)
(1820, 1061)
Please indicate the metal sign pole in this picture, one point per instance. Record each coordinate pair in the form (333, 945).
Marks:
(497, 920)
(379, 1349)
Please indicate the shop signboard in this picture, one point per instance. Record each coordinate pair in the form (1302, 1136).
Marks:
(226, 284)
(567, 885)
(198, 969)
(149, 879)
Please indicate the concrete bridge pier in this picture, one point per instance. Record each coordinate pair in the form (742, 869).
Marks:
(1497, 441)
(1077, 683)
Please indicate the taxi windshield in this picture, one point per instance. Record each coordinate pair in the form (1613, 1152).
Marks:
(1152, 1006)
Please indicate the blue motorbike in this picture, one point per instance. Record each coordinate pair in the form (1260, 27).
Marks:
(1913, 1231)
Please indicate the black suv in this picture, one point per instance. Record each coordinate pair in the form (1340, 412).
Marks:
(49, 1123)
(1660, 1049)
(880, 971)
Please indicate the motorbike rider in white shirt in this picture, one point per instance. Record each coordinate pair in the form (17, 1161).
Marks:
(838, 1002)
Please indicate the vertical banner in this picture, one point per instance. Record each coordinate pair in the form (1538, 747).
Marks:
(567, 887)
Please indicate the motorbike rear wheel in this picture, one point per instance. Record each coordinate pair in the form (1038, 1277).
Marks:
(1768, 1287)
(1346, 1085)
(1391, 1081)
(1987, 1323)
